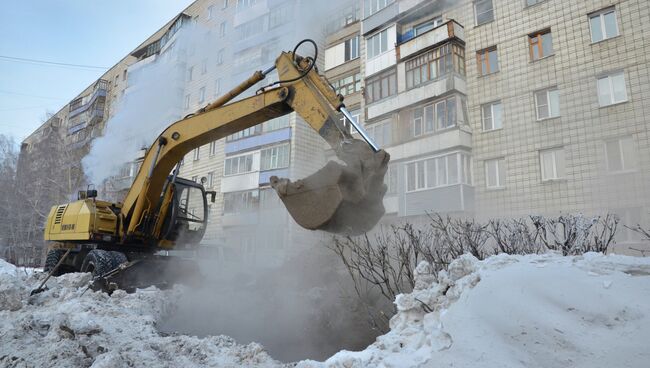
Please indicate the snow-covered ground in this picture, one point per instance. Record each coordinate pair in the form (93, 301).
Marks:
(506, 311)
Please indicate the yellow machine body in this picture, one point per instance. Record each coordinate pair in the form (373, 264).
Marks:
(85, 219)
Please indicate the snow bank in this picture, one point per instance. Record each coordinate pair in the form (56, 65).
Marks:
(506, 311)
(519, 311)
(65, 327)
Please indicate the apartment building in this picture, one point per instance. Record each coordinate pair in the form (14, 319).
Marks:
(511, 107)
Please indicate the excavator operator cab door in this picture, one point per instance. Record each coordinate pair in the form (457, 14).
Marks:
(187, 218)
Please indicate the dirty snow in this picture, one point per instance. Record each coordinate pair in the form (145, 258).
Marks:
(506, 311)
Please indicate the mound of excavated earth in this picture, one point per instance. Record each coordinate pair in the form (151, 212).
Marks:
(506, 311)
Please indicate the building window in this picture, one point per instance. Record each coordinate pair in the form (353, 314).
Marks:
(611, 89)
(280, 15)
(487, 61)
(204, 66)
(201, 94)
(224, 4)
(483, 11)
(436, 172)
(220, 56)
(213, 148)
(275, 158)
(377, 44)
(446, 113)
(373, 6)
(241, 202)
(210, 183)
(352, 48)
(492, 116)
(217, 87)
(245, 4)
(197, 153)
(348, 85)
(540, 44)
(238, 165)
(495, 173)
(620, 155)
(435, 64)
(437, 116)
(552, 164)
(222, 29)
(244, 133)
(381, 86)
(427, 26)
(381, 133)
(195, 178)
(276, 124)
(390, 179)
(603, 25)
(190, 73)
(547, 103)
(210, 9)
(187, 101)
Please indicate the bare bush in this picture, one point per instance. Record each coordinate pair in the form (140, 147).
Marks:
(383, 264)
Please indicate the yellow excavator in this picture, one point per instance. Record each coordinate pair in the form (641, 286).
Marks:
(120, 243)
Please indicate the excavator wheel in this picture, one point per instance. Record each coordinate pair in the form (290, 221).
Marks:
(343, 199)
(52, 258)
(99, 262)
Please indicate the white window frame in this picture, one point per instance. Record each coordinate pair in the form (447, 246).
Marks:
(222, 29)
(187, 101)
(239, 157)
(196, 154)
(210, 182)
(625, 166)
(555, 175)
(190, 73)
(217, 87)
(371, 52)
(210, 10)
(501, 182)
(610, 86)
(213, 148)
(275, 163)
(547, 93)
(476, 23)
(456, 157)
(491, 106)
(601, 17)
(353, 45)
(202, 94)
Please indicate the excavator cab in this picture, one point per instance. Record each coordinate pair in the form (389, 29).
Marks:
(187, 215)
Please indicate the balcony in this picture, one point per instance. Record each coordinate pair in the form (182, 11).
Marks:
(82, 104)
(247, 13)
(455, 137)
(399, 8)
(258, 140)
(410, 45)
(410, 97)
(448, 199)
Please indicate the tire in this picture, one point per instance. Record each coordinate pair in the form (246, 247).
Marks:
(118, 258)
(98, 262)
(53, 257)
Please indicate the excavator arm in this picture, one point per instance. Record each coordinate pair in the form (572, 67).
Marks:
(341, 198)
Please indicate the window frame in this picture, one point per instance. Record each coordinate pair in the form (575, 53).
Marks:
(455, 156)
(483, 56)
(539, 44)
(370, 49)
(491, 106)
(610, 85)
(196, 154)
(601, 15)
(239, 158)
(377, 81)
(547, 92)
(476, 15)
(277, 156)
(501, 182)
(625, 168)
(556, 177)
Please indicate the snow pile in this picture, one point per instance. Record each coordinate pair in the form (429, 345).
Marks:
(506, 311)
(65, 327)
(518, 311)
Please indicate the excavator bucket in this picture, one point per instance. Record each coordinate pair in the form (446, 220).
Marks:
(340, 198)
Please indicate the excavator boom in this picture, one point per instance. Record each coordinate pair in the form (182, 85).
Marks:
(340, 198)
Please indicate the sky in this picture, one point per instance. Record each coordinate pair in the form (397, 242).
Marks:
(83, 32)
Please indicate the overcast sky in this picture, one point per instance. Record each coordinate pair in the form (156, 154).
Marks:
(85, 32)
